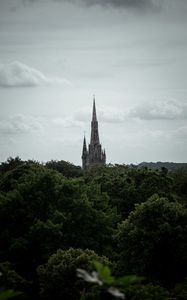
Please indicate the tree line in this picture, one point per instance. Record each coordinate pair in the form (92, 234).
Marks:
(55, 219)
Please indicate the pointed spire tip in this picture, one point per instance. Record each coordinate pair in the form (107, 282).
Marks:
(94, 116)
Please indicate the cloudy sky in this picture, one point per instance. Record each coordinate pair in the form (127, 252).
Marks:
(55, 54)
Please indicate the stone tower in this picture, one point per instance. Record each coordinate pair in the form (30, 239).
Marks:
(94, 155)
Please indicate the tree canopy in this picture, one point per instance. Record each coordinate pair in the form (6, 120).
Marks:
(53, 214)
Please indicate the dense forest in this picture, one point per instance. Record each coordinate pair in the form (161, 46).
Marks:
(55, 219)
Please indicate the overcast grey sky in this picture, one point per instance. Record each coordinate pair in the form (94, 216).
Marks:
(55, 54)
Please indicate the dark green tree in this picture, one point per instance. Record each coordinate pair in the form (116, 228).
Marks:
(153, 241)
(58, 279)
(10, 164)
(147, 292)
(89, 221)
(65, 168)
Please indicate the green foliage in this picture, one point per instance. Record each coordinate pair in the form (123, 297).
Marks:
(89, 221)
(10, 164)
(180, 184)
(7, 294)
(180, 291)
(44, 208)
(58, 277)
(66, 168)
(45, 238)
(105, 274)
(103, 277)
(152, 241)
(127, 186)
(10, 279)
(147, 292)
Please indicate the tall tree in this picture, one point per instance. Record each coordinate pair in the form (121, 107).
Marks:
(153, 241)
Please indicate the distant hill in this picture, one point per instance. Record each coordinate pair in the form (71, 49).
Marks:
(158, 165)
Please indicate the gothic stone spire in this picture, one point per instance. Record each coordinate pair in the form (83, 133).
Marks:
(94, 155)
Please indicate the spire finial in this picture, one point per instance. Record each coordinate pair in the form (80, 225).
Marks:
(94, 117)
(84, 140)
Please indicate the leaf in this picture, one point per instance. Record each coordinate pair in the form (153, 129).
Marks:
(98, 266)
(7, 294)
(104, 273)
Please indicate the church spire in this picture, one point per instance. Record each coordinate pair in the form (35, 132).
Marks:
(93, 155)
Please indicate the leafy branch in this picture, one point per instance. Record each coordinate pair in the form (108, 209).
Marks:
(103, 277)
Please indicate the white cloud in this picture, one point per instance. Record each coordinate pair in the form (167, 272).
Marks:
(82, 118)
(106, 115)
(83, 115)
(162, 110)
(17, 74)
(112, 115)
(19, 124)
(67, 122)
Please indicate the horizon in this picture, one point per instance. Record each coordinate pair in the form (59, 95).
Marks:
(107, 164)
